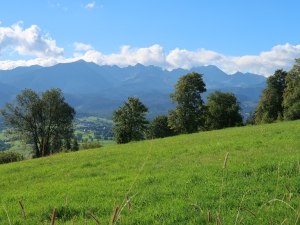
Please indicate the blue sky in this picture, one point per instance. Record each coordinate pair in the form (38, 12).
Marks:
(236, 35)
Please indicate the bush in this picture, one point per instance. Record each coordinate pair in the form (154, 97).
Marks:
(90, 144)
(7, 157)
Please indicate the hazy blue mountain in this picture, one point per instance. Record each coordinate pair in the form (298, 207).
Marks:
(138, 78)
(70, 77)
(244, 79)
(92, 88)
(7, 93)
(211, 73)
(6, 75)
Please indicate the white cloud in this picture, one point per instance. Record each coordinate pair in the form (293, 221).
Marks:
(10, 64)
(90, 5)
(28, 42)
(82, 47)
(280, 56)
(187, 59)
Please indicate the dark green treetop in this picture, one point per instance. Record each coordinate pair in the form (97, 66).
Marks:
(159, 128)
(129, 120)
(270, 106)
(291, 95)
(187, 116)
(223, 110)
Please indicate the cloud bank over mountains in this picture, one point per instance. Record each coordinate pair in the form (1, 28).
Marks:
(31, 42)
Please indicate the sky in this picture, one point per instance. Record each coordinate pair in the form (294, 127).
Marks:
(256, 36)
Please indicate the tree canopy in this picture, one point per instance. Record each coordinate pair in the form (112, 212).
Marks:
(223, 110)
(129, 121)
(43, 119)
(187, 116)
(270, 106)
(291, 95)
(159, 128)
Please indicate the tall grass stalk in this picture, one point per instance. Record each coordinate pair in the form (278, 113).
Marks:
(126, 200)
(291, 207)
(114, 215)
(142, 167)
(225, 160)
(6, 214)
(275, 194)
(93, 216)
(53, 216)
(240, 207)
(73, 219)
(23, 211)
(222, 186)
(67, 200)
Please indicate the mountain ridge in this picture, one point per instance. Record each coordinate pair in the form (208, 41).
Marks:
(82, 82)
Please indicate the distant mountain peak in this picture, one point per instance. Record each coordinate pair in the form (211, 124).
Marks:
(138, 65)
(236, 73)
(80, 61)
(88, 82)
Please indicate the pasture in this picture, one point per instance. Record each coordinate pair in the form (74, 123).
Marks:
(245, 175)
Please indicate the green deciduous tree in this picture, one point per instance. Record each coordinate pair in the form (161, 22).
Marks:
(129, 121)
(43, 119)
(159, 128)
(270, 106)
(291, 96)
(75, 145)
(223, 110)
(187, 116)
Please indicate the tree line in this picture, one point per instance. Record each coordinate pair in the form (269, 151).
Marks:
(47, 122)
(280, 100)
(190, 114)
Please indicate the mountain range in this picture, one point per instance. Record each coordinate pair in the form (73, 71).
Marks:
(95, 89)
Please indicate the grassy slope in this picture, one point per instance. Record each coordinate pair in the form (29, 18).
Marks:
(182, 179)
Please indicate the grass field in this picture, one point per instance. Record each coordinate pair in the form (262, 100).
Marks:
(95, 119)
(87, 134)
(2, 135)
(177, 180)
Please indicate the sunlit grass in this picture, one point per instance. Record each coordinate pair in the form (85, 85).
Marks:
(95, 119)
(182, 179)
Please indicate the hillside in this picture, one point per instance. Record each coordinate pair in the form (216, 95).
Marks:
(175, 180)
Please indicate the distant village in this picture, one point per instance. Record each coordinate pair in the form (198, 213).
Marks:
(101, 130)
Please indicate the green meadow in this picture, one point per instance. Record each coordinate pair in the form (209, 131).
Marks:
(185, 179)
